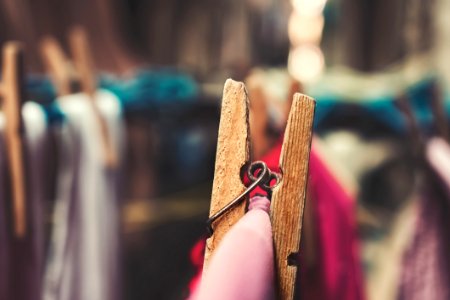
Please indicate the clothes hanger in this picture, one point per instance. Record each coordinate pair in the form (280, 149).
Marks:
(288, 193)
(77, 75)
(12, 94)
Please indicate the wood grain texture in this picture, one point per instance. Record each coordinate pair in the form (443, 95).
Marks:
(232, 154)
(13, 97)
(288, 197)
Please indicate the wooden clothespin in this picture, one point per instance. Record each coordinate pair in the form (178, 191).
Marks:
(81, 53)
(233, 153)
(12, 94)
(259, 114)
(413, 126)
(288, 196)
(60, 67)
(69, 76)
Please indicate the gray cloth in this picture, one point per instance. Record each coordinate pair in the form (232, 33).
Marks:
(83, 261)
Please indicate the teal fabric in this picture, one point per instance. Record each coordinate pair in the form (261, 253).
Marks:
(384, 109)
(152, 88)
(148, 90)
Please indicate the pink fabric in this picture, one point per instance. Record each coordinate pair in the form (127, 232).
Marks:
(338, 273)
(242, 266)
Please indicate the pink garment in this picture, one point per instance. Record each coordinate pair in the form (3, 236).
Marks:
(337, 273)
(242, 266)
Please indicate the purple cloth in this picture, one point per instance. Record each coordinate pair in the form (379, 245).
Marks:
(425, 273)
(426, 263)
(21, 260)
(243, 265)
(4, 224)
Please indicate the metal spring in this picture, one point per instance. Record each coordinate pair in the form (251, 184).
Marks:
(263, 180)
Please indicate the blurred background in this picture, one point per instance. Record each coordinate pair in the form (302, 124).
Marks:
(377, 69)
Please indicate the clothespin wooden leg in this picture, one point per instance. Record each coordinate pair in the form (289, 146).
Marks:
(288, 198)
(59, 65)
(258, 119)
(79, 45)
(12, 97)
(232, 154)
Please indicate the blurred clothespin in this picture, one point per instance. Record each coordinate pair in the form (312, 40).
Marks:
(259, 119)
(12, 95)
(288, 195)
(77, 76)
(259, 110)
(439, 112)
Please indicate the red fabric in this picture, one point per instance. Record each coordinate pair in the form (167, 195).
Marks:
(196, 255)
(337, 274)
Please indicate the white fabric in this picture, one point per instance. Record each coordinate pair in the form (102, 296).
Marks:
(83, 261)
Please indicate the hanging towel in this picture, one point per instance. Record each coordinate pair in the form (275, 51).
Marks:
(242, 266)
(21, 259)
(83, 260)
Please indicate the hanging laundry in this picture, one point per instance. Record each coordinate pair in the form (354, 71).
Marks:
(242, 267)
(21, 258)
(425, 272)
(426, 266)
(83, 261)
(5, 260)
(336, 271)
